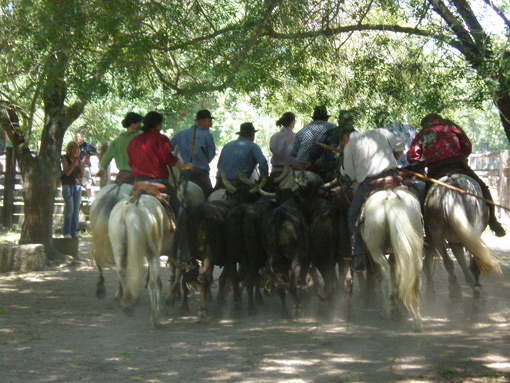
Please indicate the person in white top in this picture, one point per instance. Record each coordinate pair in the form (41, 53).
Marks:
(367, 157)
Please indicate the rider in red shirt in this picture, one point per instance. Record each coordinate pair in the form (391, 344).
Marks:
(443, 148)
(150, 156)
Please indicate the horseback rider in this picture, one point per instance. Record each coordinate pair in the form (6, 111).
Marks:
(150, 156)
(368, 157)
(443, 147)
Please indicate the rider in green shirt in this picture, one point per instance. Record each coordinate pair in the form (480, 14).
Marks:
(118, 149)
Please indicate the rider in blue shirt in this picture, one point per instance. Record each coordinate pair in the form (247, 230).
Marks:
(204, 152)
(242, 154)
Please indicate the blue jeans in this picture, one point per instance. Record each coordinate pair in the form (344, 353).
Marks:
(72, 203)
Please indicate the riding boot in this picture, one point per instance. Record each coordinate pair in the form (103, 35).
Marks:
(358, 255)
(494, 225)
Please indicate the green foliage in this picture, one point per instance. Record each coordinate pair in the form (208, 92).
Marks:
(242, 60)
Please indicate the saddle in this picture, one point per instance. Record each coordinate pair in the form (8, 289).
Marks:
(156, 190)
(391, 181)
(383, 183)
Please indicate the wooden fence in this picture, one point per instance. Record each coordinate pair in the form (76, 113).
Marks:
(493, 168)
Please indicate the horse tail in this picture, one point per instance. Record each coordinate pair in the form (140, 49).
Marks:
(100, 211)
(471, 239)
(128, 244)
(406, 233)
(99, 216)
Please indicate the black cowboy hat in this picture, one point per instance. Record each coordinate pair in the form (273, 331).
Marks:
(203, 114)
(247, 129)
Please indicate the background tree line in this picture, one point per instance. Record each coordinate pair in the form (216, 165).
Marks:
(68, 63)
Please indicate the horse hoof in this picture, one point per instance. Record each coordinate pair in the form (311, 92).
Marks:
(202, 315)
(184, 311)
(101, 293)
(418, 325)
(170, 302)
(395, 315)
(154, 325)
(128, 311)
(478, 293)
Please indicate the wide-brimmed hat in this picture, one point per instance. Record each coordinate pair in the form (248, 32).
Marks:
(247, 129)
(320, 113)
(203, 114)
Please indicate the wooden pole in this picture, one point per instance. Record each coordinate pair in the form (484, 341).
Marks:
(504, 179)
(454, 188)
(9, 185)
(105, 178)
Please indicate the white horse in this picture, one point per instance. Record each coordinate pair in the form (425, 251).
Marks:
(100, 211)
(393, 225)
(139, 228)
(459, 220)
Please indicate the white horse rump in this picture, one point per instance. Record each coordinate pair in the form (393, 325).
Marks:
(140, 228)
(100, 211)
(393, 225)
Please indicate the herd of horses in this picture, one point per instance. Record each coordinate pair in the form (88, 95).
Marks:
(402, 232)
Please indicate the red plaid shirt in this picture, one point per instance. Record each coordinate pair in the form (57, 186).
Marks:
(437, 142)
(150, 154)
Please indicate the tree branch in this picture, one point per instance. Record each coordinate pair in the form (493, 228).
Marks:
(469, 17)
(498, 11)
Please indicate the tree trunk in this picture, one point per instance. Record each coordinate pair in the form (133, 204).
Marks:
(40, 181)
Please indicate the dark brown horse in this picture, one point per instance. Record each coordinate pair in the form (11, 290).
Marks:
(458, 220)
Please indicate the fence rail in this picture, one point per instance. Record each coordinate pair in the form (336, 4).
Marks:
(493, 168)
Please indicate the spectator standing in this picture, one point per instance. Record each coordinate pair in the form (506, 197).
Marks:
(281, 143)
(242, 154)
(86, 150)
(118, 149)
(204, 149)
(73, 170)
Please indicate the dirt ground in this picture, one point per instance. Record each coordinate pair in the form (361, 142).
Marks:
(53, 329)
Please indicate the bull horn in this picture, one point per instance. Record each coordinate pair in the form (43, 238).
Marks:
(331, 183)
(226, 182)
(256, 187)
(243, 178)
(281, 177)
(300, 179)
(265, 193)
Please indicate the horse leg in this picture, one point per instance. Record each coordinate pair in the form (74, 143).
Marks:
(100, 289)
(477, 288)
(371, 279)
(394, 294)
(428, 268)
(251, 289)
(185, 291)
(174, 287)
(206, 280)
(234, 279)
(154, 287)
(453, 284)
(460, 255)
(222, 282)
(385, 281)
